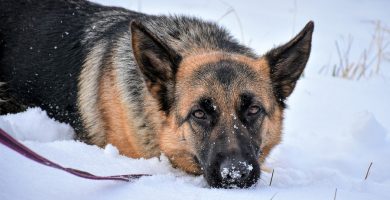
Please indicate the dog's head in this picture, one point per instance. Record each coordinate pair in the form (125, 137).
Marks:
(223, 109)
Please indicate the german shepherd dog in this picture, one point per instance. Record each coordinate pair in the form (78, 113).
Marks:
(150, 85)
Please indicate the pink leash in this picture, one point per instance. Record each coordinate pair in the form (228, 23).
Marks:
(13, 144)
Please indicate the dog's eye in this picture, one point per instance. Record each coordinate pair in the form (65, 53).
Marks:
(253, 110)
(199, 114)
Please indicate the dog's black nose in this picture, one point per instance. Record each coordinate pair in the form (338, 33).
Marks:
(232, 170)
(235, 172)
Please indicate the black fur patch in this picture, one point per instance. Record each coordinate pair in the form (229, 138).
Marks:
(43, 48)
(225, 75)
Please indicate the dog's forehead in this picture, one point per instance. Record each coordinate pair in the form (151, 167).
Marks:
(224, 72)
(222, 77)
(222, 65)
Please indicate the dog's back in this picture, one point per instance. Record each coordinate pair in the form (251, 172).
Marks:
(42, 47)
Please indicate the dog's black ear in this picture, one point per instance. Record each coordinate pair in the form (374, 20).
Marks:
(157, 61)
(288, 61)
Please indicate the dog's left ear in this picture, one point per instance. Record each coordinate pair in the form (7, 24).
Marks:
(288, 61)
(157, 61)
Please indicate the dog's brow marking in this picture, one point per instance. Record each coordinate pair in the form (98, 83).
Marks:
(192, 62)
(226, 75)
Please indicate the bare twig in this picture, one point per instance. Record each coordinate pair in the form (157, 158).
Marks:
(368, 171)
(230, 10)
(335, 194)
(272, 176)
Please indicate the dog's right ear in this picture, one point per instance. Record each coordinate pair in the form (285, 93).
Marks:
(157, 61)
(288, 61)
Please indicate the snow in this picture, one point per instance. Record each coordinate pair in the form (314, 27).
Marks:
(111, 150)
(34, 120)
(334, 128)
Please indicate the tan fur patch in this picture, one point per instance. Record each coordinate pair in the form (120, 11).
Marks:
(271, 134)
(175, 143)
(118, 127)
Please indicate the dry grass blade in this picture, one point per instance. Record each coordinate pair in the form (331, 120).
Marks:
(370, 60)
(368, 171)
(272, 176)
(273, 196)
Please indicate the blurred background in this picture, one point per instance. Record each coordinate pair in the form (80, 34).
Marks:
(355, 32)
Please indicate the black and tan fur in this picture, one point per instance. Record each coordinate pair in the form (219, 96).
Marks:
(149, 84)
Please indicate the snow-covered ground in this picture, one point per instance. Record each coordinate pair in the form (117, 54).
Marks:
(334, 128)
